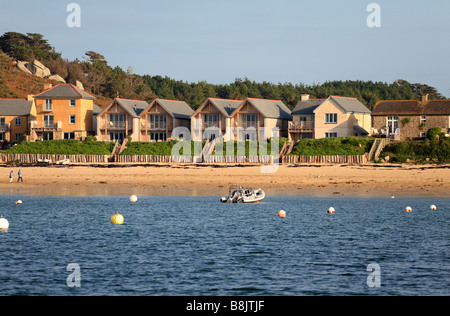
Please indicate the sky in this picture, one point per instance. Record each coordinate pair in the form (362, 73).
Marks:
(217, 41)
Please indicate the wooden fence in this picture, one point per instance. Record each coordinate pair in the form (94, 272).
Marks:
(142, 159)
(37, 158)
(354, 159)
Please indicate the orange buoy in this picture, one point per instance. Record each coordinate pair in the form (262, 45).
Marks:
(282, 213)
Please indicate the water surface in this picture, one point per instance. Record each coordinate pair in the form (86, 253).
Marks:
(189, 245)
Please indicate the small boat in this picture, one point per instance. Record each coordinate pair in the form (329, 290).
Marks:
(237, 194)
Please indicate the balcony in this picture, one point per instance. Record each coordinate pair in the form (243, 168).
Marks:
(301, 127)
(116, 126)
(5, 127)
(46, 126)
(158, 126)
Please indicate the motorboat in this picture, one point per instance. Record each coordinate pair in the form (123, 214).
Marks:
(237, 194)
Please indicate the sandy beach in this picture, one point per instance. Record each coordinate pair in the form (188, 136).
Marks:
(354, 180)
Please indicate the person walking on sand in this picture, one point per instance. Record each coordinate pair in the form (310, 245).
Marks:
(11, 176)
(20, 176)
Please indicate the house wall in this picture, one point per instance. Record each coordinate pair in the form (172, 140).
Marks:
(342, 126)
(247, 108)
(145, 129)
(412, 129)
(61, 111)
(10, 133)
(104, 128)
(208, 108)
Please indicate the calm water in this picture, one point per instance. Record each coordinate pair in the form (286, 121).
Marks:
(198, 246)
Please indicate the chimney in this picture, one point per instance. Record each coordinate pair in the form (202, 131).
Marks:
(305, 97)
(48, 86)
(425, 97)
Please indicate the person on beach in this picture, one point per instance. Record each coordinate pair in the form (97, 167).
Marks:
(11, 176)
(20, 176)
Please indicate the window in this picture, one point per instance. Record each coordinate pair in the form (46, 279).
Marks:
(331, 118)
(48, 121)
(69, 135)
(72, 103)
(392, 123)
(17, 136)
(249, 120)
(48, 105)
(18, 121)
(158, 136)
(158, 121)
(423, 134)
(2, 123)
(330, 135)
(423, 121)
(72, 119)
(211, 120)
(117, 120)
(2, 136)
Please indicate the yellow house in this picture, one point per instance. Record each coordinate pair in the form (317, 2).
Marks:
(332, 117)
(62, 112)
(15, 115)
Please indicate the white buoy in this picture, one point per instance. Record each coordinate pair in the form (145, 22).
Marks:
(408, 209)
(18, 202)
(4, 224)
(331, 210)
(133, 198)
(433, 207)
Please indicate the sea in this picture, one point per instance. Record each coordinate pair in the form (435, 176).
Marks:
(197, 246)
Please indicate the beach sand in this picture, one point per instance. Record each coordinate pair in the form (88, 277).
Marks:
(320, 180)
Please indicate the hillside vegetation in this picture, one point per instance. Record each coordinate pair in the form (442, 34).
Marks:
(106, 82)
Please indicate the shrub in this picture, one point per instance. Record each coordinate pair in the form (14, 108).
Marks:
(333, 146)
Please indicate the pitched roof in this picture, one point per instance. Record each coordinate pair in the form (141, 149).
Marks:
(178, 109)
(133, 107)
(271, 108)
(398, 107)
(307, 107)
(412, 107)
(227, 107)
(64, 91)
(347, 104)
(437, 107)
(350, 104)
(15, 107)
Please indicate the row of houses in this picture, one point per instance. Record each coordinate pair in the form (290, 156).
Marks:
(67, 112)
